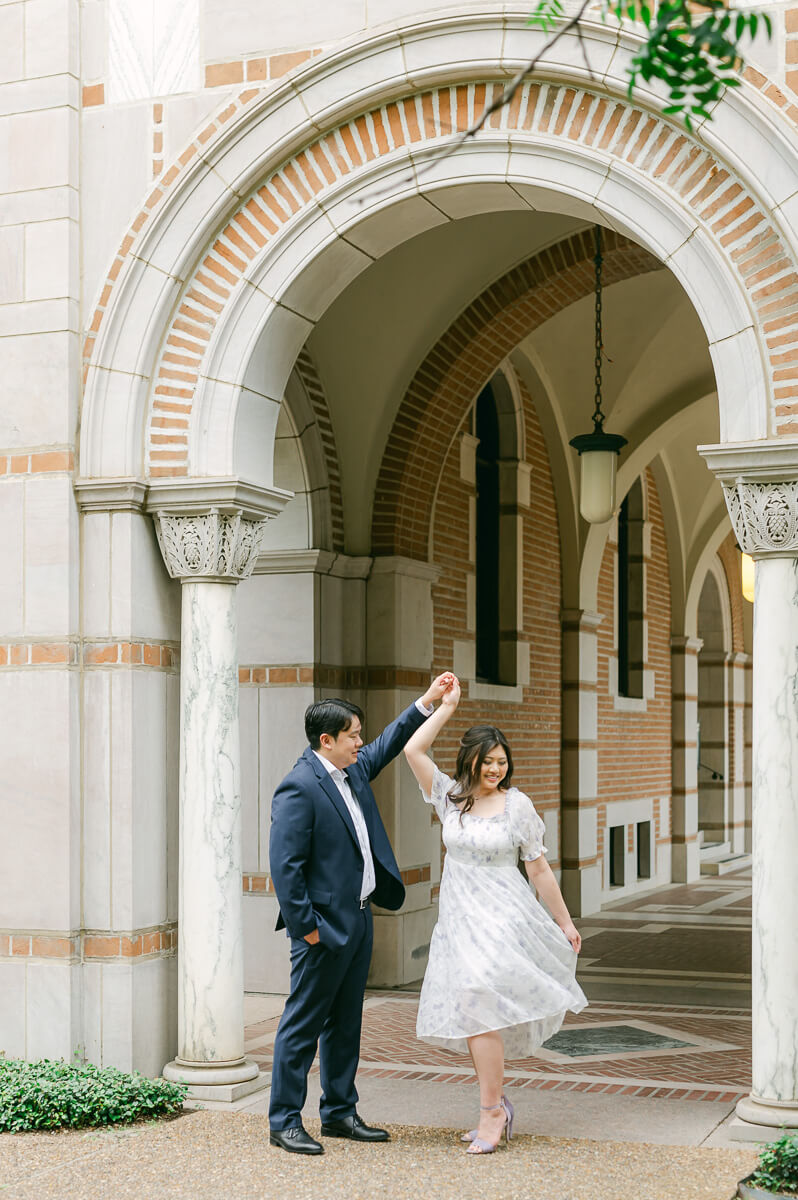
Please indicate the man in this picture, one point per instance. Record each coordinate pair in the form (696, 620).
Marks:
(330, 859)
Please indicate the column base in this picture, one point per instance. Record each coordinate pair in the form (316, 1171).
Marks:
(224, 1087)
(762, 1121)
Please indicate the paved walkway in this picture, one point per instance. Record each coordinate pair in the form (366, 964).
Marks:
(662, 1054)
(631, 1101)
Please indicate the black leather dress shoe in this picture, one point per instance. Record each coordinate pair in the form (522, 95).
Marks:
(354, 1127)
(296, 1141)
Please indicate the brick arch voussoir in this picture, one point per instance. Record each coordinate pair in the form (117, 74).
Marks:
(734, 218)
(463, 360)
(305, 368)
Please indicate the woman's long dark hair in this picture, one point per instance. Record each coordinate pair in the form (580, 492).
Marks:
(475, 746)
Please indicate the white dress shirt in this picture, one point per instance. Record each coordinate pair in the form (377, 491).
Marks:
(352, 803)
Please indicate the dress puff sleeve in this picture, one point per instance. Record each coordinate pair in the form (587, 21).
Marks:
(528, 828)
(441, 785)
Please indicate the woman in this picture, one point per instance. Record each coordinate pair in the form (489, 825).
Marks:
(501, 972)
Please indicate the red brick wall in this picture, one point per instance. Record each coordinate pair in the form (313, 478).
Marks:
(634, 749)
(533, 727)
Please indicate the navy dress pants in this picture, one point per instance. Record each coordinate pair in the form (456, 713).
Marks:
(324, 1009)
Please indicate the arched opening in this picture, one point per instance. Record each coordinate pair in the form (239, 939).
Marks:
(713, 722)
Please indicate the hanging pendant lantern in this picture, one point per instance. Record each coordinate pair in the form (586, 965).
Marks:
(598, 450)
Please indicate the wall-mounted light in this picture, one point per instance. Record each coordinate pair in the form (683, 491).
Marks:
(598, 450)
(748, 575)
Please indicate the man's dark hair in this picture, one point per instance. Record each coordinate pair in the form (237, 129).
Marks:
(329, 716)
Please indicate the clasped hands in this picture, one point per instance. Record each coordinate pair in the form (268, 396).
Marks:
(444, 688)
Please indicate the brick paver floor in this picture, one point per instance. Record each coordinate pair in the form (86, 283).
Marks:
(681, 935)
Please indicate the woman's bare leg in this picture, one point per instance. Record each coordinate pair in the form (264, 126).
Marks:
(487, 1054)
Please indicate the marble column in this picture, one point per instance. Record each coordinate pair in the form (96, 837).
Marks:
(761, 488)
(210, 552)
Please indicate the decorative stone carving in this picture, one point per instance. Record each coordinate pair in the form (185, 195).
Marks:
(764, 515)
(210, 545)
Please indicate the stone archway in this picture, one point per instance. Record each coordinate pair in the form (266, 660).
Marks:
(259, 225)
(223, 272)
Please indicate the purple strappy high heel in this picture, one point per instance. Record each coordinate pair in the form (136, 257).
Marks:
(486, 1147)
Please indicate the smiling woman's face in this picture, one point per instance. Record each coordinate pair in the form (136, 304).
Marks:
(493, 770)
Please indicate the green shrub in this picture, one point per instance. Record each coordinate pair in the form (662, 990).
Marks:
(778, 1166)
(49, 1095)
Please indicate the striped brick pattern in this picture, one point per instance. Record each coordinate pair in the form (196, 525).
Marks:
(83, 944)
(664, 153)
(462, 361)
(306, 370)
(37, 462)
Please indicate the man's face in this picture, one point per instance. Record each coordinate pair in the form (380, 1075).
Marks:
(342, 750)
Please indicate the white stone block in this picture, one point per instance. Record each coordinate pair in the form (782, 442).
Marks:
(12, 1008)
(38, 150)
(282, 740)
(154, 1014)
(343, 620)
(38, 316)
(117, 1015)
(430, 54)
(91, 1039)
(154, 598)
(51, 260)
(38, 389)
(49, 205)
(12, 42)
(250, 796)
(31, 95)
(98, 751)
(238, 28)
(469, 199)
(121, 799)
(116, 169)
(291, 530)
(12, 277)
(51, 578)
(276, 619)
(267, 966)
(96, 569)
(52, 1010)
(186, 116)
(322, 274)
(51, 38)
(38, 712)
(93, 39)
(12, 556)
(393, 224)
(172, 790)
(148, 816)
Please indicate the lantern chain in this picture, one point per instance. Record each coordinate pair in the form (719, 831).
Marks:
(598, 415)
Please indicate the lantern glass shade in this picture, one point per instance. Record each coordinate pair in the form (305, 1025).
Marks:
(597, 490)
(748, 573)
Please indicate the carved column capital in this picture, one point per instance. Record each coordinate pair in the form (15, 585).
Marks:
(760, 486)
(764, 515)
(212, 545)
(210, 530)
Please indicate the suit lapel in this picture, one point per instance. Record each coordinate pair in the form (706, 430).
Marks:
(331, 792)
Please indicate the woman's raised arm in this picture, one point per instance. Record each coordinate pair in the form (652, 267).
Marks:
(416, 749)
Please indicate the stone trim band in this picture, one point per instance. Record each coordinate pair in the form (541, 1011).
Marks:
(84, 945)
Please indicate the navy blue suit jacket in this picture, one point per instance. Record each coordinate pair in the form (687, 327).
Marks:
(314, 855)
